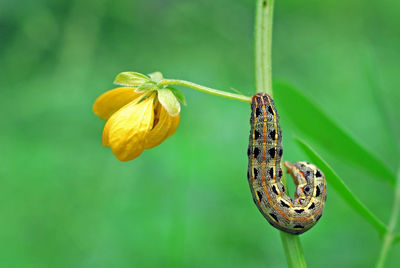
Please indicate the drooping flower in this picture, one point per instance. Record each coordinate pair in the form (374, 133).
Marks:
(139, 116)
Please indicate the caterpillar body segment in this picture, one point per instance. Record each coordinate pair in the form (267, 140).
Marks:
(293, 215)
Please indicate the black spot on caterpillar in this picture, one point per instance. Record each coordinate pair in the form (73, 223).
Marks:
(270, 110)
(283, 203)
(255, 172)
(272, 134)
(318, 192)
(259, 195)
(293, 215)
(271, 152)
(274, 190)
(271, 172)
(306, 189)
(274, 216)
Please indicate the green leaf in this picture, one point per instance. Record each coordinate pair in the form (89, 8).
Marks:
(178, 94)
(337, 183)
(169, 101)
(130, 79)
(148, 86)
(156, 77)
(321, 129)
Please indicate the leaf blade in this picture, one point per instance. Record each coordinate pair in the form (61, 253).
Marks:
(328, 134)
(156, 76)
(130, 79)
(169, 101)
(341, 188)
(178, 94)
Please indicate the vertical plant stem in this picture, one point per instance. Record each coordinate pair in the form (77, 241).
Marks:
(263, 44)
(389, 236)
(263, 61)
(293, 251)
(291, 243)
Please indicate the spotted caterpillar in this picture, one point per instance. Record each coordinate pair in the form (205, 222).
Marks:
(292, 215)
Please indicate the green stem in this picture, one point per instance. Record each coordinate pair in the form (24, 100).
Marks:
(263, 45)
(389, 238)
(167, 82)
(291, 243)
(293, 251)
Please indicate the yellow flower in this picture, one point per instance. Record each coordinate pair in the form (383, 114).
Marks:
(135, 120)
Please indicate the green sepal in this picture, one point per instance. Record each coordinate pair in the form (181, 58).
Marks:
(178, 94)
(167, 99)
(156, 77)
(148, 86)
(131, 79)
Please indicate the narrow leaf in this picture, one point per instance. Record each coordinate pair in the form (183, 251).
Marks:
(390, 238)
(178, 94)
(337, 183)
(169, 101)
(325, 132)
(130, 79)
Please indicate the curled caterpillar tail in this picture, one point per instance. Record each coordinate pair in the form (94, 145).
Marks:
(293, 215)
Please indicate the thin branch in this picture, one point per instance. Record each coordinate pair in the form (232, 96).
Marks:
(263, 45)
(291, 243)
(208, 90)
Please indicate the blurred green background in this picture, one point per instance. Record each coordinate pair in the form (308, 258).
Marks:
(65, 201)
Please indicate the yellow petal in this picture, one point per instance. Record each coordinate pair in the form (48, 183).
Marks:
(112, 100)
(164, 128)
(105, 141)
(174, 125)
(128, 127)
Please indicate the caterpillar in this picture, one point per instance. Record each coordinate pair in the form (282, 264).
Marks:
(292, 215)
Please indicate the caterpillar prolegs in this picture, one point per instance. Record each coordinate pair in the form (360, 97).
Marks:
(293, 215)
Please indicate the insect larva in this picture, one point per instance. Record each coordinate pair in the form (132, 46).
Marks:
(293, 215)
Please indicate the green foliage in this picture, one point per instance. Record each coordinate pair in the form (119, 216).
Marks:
(169, 101)
(348, 147)
(156, 76)
(178, 94)
(324, 131)
(338, 143)
(340, 187)
(131, 79)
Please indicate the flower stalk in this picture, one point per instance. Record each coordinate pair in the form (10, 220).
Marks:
(212, 91)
